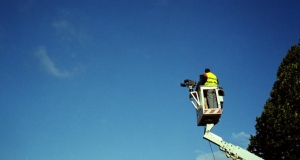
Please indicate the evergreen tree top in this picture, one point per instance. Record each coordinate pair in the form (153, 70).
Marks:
(277, 129)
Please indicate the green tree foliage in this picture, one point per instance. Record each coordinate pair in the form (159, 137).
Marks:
(278, 127)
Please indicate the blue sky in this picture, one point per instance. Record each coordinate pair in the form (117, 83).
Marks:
(99, 80)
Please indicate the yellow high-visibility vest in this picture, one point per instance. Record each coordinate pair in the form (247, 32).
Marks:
(212, 79)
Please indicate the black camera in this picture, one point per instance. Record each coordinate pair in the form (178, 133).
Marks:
(188, 83)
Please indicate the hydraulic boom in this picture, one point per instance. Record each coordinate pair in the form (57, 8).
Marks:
(232, 151)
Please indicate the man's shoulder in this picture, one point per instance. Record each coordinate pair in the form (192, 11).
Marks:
(213, 74)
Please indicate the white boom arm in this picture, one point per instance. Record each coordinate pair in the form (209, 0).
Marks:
(232, 151)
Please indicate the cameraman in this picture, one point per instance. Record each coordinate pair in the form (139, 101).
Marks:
(209, 79)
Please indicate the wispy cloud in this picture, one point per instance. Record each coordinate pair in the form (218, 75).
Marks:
(241, 138)
(219, 155)
(49, 65)
(68, 32)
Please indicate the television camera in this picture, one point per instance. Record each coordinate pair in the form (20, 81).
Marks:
(189, 84)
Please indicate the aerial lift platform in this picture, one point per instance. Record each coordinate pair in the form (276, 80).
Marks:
(209, 117)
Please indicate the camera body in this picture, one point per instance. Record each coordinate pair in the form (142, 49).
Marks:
(188, 83)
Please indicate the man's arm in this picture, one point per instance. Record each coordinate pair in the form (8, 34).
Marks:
(202, 80)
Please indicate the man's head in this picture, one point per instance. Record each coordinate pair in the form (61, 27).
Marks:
(207, 70)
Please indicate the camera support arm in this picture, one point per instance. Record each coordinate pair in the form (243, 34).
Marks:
(232, 151)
